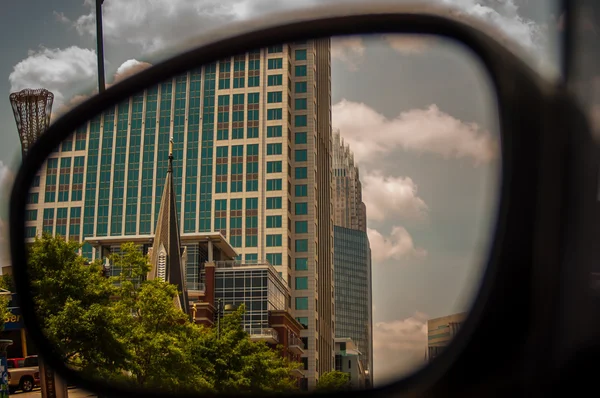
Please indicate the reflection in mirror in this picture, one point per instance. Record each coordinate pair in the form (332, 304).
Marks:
(213, 233)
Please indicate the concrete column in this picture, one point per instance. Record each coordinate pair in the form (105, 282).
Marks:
(210, 251)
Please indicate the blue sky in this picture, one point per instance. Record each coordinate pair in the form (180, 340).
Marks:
(419, 115)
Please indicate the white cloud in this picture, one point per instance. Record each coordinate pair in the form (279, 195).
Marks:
(57, 70)
(392, 197)
(408, 44)
(399, 347)
(371, 134)
(159, 24)
(504, 15)
(399, 245)
(348, 49)
(130, 68)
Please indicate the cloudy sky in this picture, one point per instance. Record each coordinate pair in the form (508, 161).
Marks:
(419, 114)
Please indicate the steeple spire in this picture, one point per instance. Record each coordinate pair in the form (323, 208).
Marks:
(167, 254)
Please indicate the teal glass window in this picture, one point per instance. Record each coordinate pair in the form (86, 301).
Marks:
(275, 49)
(274, 149)
(274, 221)
(274, 184)
(274, 131)
(300, 104)
(301, 245)
(301, 190)
(300, 138)
(274, 97)
(301, 155)
(301, 303)
(301, 227)
(303, 321)
(275, 63)
(300, 55)
(301, 283)
(274, 203)
(274, 240)
(301, 208)
(300, 121)
(274, 80)
(274, 258)
(301, 264)
(301, 87)
(274, 167)
(301, 173)
(274, 114)
(300, 70)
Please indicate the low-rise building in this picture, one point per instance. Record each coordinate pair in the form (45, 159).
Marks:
(440, 331)
(348, 359)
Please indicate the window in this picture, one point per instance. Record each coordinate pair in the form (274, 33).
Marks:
(301, 208)
(301, 155)
(274, 167)
(273, 221)
(275, 63)
(274, 240)
(275, 49)
(304, 322)
(300, 70)
(301, 303)
(300, 104)
(300, 138)
(274, 97)
(274, 114)
(274, 258)
(251, 258)
(300, 55)
(253, 98)
(301, 173)
(274, 80)
(274, 203)
(301, 190)
(274, 149)
(301, 245)
(274, 131)
(301, 87)
(302, 264)
(300, 121)
(30, 232)
(302, 283)
(301, 227)
(274, 184)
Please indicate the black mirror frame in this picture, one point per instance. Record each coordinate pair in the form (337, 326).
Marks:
(521, 93)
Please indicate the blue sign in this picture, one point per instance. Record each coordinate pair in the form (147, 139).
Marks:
(13, 320)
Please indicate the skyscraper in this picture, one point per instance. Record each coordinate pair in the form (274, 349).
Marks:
(252, 160)
(352, 256)
(349, 208)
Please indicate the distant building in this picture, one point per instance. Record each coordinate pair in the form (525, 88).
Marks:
(348, 359)
(441, 331)
(351, 256)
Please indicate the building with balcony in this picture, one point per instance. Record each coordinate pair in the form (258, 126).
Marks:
(441, 331)
(349, 359)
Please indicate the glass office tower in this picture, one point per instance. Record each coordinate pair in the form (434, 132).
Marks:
(252, 160)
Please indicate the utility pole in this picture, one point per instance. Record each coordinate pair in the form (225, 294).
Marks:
(100, 46)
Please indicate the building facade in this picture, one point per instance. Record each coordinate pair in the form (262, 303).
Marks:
(349, 209)
(349, 359)
(352, 257)
(252, 161)
(441, 331)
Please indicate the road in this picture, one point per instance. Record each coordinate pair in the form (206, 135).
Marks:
(37, 393)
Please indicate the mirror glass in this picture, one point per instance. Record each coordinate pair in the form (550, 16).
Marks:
(312, 215)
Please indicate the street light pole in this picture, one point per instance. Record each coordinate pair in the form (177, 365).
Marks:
(100, 46)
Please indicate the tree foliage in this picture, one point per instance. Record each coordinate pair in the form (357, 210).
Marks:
(6, 285)
(125, 328)
(334, 381)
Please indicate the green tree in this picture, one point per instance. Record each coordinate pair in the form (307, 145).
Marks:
(7, 286)
(236, 364)
(334, 381)
(126, 328)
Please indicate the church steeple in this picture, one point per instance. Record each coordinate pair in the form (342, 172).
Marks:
(166, 258)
